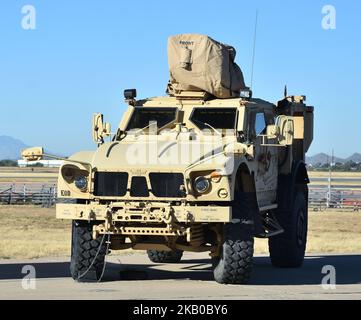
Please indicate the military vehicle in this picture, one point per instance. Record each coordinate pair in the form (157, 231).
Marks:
(196, 170)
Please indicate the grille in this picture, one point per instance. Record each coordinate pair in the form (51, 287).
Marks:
(167, 184)
(115, 184)
(139, 187)
(110, 183)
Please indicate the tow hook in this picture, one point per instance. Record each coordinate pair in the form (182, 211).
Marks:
(108, 219)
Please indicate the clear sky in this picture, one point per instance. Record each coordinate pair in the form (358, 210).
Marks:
(82, 55)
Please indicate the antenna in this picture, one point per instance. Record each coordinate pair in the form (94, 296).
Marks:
(254, 47)
(285, 92)
(329, 189)
(332, 158)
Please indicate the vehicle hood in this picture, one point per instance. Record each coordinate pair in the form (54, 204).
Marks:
(156, 155)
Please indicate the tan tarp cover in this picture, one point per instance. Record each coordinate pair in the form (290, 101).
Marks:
(197, 62)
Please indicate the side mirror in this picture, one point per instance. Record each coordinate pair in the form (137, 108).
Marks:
(285, 127)
(100, 129)
(272, 131)
(33, 154)
(283, 131)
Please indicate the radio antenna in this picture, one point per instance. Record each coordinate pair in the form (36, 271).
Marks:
(254, 47)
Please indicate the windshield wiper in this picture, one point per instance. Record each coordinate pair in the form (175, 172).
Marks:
(208, 125)
(151, 123)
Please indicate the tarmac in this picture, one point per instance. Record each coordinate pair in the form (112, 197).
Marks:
(133, 276)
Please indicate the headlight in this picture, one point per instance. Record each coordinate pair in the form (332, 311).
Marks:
(81, 182)
(201, 184)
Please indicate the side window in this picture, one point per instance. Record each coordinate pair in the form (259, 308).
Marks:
(260, 123)
(270, 118)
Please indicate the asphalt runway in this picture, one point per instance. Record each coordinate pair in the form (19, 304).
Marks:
(133, 276)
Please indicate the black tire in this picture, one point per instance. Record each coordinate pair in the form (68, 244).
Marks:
(157, 256)
(287, 250)
(236, 261)
(234, 266)
(87, 254)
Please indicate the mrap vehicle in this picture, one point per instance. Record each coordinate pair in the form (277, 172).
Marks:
(195, 171)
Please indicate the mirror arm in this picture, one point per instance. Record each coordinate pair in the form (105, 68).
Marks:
(66, 159)
(264, 144)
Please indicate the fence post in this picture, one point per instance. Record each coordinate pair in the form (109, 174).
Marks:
(49, 198)
(10, 194)
(53, 196)
(341, 200)
(42, 196)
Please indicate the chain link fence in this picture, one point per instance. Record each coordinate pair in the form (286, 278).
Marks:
(44, 194)
(321, 199)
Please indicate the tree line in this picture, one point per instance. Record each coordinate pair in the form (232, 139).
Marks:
(338, 166)
(13, 163)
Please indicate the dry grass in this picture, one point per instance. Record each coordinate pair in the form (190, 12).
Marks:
(329, 232)
(325, 174)
(29, 170)
(33, 232)
(28, 175)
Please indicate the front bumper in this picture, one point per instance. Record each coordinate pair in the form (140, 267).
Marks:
(145, 213)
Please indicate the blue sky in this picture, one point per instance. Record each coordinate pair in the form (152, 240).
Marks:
(84, 53)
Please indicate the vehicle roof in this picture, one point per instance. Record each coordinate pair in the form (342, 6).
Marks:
(169, 101)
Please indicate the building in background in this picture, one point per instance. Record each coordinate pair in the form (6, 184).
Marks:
(42, 163)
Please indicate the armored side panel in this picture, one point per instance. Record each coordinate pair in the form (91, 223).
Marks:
(303, 129)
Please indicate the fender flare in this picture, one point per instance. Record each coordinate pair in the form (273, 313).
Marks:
(245, 168)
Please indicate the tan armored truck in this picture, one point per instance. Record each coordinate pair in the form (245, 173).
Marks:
(204, 169)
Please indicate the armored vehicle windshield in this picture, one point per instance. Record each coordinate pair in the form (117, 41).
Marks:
(144, 117)
(219, 118)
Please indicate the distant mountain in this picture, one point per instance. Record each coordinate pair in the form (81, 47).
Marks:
(356, 157)
(324, 158)
(10, 148)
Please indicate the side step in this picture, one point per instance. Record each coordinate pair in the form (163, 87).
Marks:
(270, 226)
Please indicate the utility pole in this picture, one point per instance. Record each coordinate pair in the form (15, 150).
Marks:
(328, 203)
